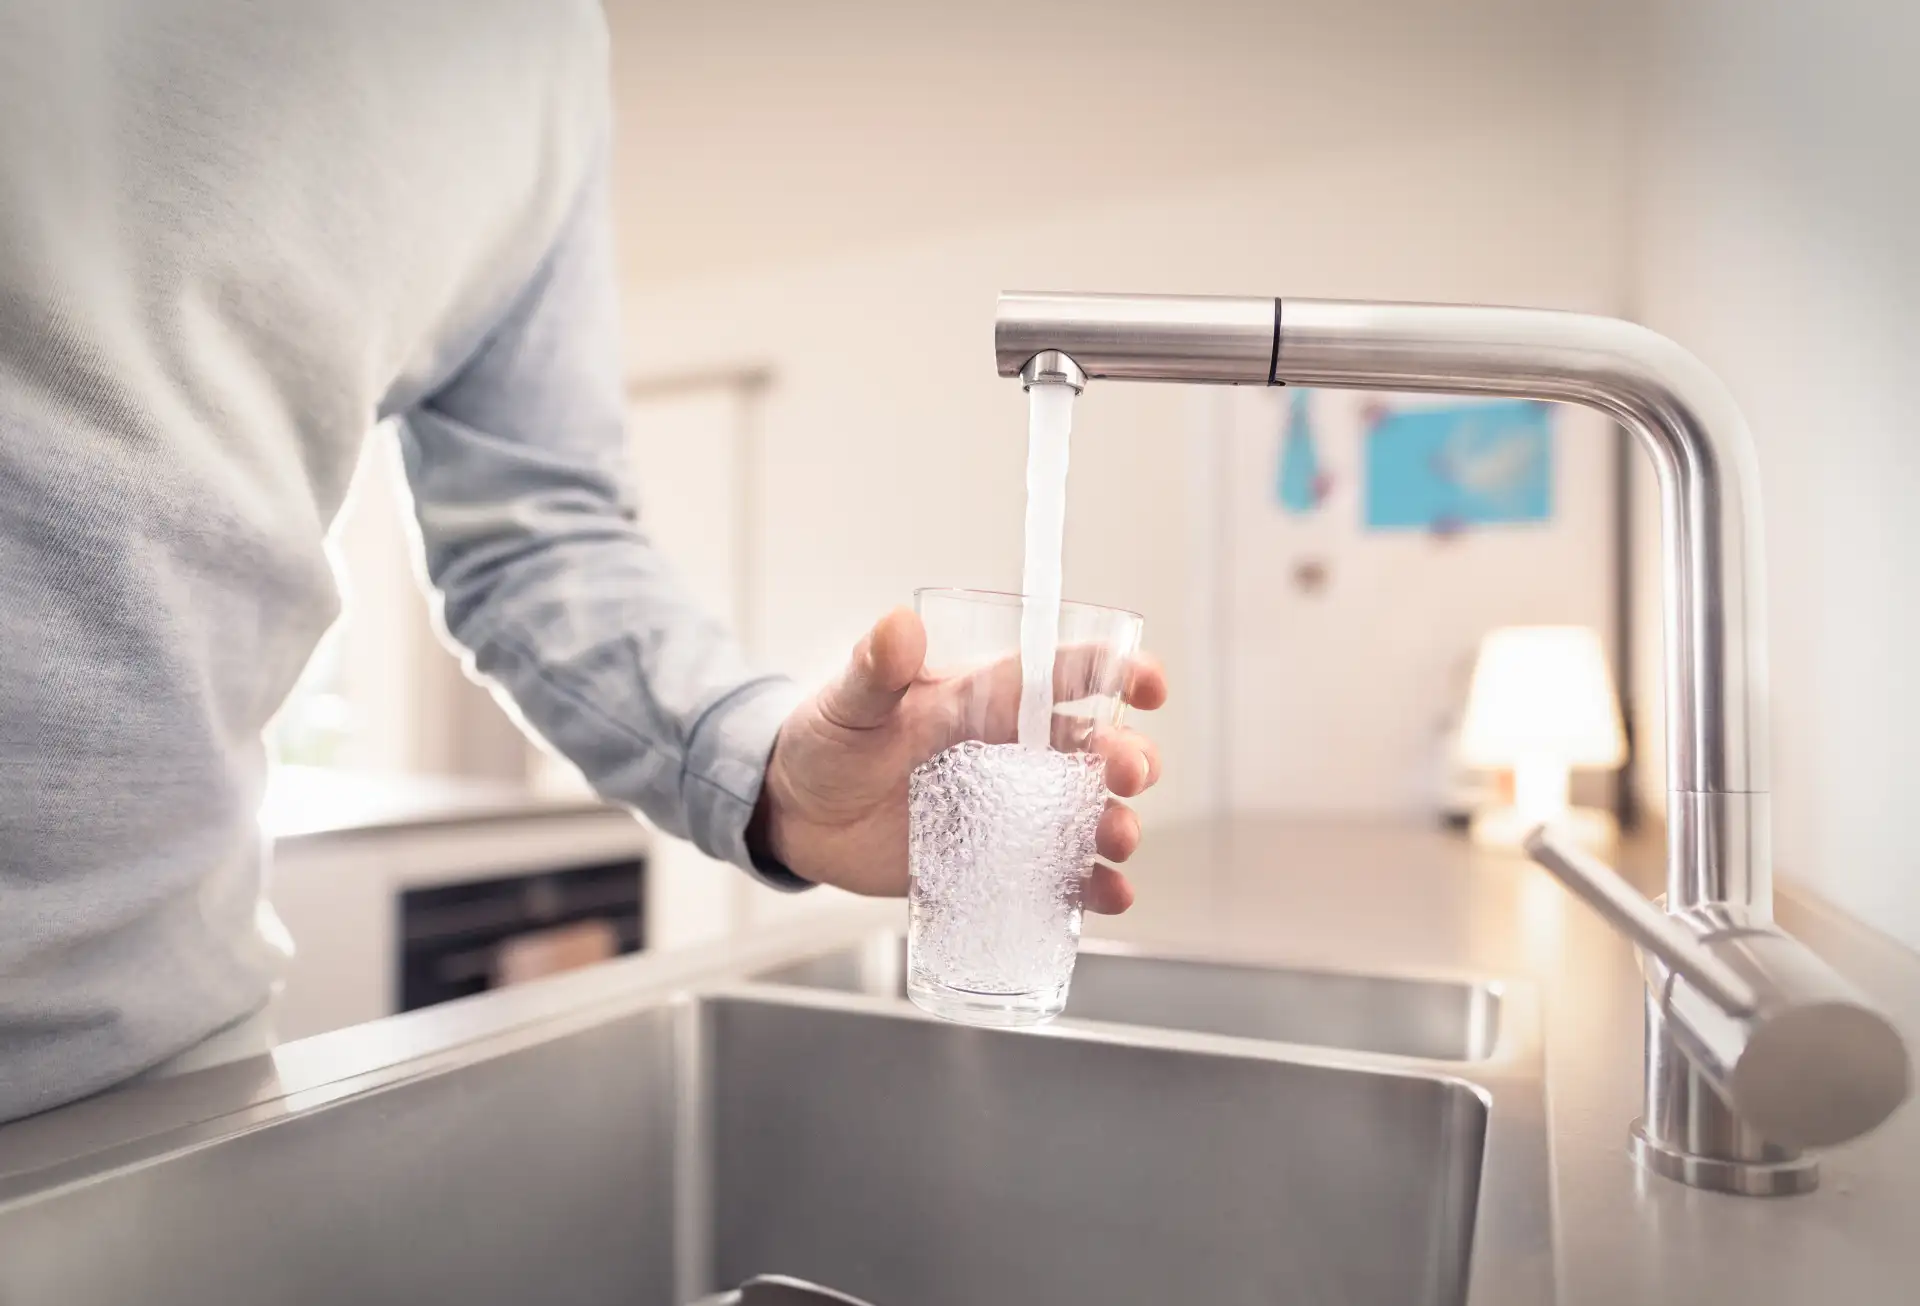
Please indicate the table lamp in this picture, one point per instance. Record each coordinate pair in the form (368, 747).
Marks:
(1542, 703)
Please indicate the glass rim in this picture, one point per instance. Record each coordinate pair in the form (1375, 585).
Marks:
(1008, 598)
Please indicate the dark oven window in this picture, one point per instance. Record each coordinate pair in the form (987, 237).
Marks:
(458, 939)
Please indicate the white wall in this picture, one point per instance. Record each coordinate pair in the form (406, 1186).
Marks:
(763, 134)
(1777, 237)
(1338, 698)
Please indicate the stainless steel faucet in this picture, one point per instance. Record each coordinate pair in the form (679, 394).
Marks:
(1755, 1048)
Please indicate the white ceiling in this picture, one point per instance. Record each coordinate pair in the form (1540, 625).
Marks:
(757, 132)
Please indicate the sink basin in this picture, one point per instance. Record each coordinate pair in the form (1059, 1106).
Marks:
(1437, 1020)
(646, 1155)
(916, 1163)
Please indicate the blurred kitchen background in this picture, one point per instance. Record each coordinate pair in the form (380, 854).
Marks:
(817, 204)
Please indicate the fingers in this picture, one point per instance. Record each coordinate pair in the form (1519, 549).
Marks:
(1147, 685)
(1118, 833)
(1133, 760)
(1092, 670)
(884, 664)
(898, 644)
(1108, 893)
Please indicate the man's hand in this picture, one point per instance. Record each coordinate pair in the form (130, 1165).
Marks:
(834, 805)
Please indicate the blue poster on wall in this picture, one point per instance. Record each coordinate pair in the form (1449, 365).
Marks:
(1445, 469)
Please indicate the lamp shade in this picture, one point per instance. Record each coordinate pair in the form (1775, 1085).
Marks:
(1542, 693)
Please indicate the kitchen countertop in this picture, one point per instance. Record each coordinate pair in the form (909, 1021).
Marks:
(312, 802)
(1347, 895)
(1368, 896)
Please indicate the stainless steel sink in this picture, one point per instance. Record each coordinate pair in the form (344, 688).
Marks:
(595, 1141)
(1437, 1019)
(923, 1164)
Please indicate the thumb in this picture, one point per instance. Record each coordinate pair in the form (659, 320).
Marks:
(884, 665)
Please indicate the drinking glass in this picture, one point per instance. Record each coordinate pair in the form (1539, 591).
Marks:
(1001, 832)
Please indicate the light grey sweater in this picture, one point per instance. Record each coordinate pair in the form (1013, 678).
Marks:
(233, 236)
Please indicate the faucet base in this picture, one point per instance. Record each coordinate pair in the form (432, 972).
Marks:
(1785, 1178)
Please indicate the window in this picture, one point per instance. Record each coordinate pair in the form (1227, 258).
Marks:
(315, 726)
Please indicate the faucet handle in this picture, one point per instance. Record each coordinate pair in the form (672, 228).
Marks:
(1634, 915)
(1790, 1047)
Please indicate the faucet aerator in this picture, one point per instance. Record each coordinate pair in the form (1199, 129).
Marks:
(1051, 367)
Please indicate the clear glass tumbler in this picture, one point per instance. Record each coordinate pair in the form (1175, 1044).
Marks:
(1001, 833)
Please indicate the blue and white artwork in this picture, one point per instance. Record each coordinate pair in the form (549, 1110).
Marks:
(1451, 468)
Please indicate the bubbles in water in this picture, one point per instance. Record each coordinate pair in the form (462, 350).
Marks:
(1000, 841)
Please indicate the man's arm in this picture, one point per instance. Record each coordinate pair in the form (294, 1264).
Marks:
(520, 477)
(519, 473)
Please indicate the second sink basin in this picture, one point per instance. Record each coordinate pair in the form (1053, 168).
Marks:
(1434, 1019)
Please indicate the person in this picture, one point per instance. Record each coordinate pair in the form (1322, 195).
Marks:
(234, 237)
